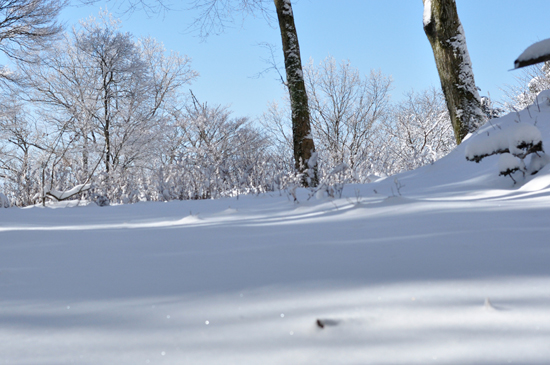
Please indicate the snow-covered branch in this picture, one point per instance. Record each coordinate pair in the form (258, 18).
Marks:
(518, 140)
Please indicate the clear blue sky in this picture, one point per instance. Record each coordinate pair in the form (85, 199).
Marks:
(384, 35)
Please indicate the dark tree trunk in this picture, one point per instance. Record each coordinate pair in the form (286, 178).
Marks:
(446, 35)
(304, 148)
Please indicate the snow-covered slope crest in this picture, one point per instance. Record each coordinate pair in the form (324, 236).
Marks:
(505, 140)
(516, 137)
(537, 114)
(455, 176)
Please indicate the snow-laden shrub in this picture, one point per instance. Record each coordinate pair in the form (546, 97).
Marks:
(332, 184)
(514, 143)
(346, 109)
(508, 164)
(538, 161)
(520, 140)
(212, 154)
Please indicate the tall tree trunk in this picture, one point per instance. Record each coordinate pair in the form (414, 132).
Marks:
(446, 35)
(305, 158)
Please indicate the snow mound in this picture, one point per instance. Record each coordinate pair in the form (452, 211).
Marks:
(516, 139)
(508, 164)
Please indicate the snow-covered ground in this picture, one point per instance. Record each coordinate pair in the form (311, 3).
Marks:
(447, 264)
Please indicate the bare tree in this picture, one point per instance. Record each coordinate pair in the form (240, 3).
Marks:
(107, 93)
(347, 111)
(210, 154)
(276, 122)
(27, 26)
(446, 35)
(345, 107)
(419, 131)
(216, 15)
(19, 140)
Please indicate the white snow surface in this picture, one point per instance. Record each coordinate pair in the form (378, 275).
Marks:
(534, 51)
(538, 161)
(503, 137)
(452, 268)
(427, 18)
(507, 162)
(61, 195)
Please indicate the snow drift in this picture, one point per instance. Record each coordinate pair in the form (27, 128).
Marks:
(444, 264)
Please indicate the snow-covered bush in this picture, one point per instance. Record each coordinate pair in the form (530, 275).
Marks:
(519, 139)
(515, 143)
(538, 161)
(508, 164)
(332, 183)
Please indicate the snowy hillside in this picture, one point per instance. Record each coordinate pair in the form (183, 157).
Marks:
(447, 264)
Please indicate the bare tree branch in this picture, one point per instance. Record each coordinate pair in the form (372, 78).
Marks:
(27, 26)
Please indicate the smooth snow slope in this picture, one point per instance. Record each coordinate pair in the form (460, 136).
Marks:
(400, 276)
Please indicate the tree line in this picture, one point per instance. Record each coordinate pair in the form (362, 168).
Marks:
(106, 116)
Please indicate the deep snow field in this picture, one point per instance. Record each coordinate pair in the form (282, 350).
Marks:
(452, 268)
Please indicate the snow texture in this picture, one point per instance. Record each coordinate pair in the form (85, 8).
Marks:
(508, 163)
(467, 81)
(5, 71)
(62, 195)
(538, 161)
(536, 51)
(427, 12)
(509, 140)
(287, 8)
(371, 278)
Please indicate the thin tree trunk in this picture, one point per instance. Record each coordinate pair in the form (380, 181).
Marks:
(446, 35)
(305, 158)
(107, 126)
